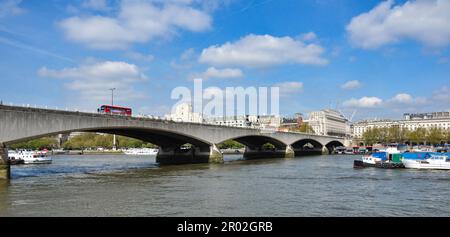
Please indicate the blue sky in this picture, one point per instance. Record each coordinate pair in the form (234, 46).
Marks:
(378, 58)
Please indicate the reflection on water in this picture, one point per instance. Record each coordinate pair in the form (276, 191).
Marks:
(119, 185)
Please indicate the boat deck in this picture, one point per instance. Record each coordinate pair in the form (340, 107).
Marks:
(383, 165)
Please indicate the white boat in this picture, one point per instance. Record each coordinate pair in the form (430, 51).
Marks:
(30, 157)
(376, 157)
(141, 151)
(438, 162)
(370, 159)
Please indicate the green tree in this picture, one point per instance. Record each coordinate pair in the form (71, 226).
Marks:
(435, 136)
(447, 135)
(230, 144)
(37, 144)
(268, 146)
(417, 136)
(372, 136)
(92, 140)
(306, 128)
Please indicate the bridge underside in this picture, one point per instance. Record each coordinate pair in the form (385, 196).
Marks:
(256, 147)
(170, 146)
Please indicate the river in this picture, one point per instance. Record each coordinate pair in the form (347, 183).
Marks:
(120, 185)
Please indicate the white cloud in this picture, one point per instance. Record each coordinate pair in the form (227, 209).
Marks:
(263, 51)
(426, 21)
(403, 98)
(213, 72)
(350, 85)
(91, 81)
(10, 8)
(442, 95)
(364, 102)
(399, 101)
(136, 22)
(187, 54)
(310, 36)
(139, 56)
(95, 4)
(289, 88)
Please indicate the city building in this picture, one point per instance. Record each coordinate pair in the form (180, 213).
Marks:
(410, 121)
(183, 113)
(293, 123)
(232, 121)
(329, 122)
(248, 121)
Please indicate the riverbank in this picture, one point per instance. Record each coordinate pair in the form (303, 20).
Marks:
(119, 152)
(86, 152)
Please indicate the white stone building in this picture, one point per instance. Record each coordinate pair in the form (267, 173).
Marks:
(329, 122)
(409, 121)
(248, 121)
(183, 113)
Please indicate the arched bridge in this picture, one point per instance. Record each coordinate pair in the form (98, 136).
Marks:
(20, 123)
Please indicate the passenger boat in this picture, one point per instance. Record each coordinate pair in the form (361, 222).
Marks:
(28, 157)
(14, 158)
(141, 151)
(434, 161)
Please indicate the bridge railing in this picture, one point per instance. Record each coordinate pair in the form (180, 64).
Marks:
(95, 113)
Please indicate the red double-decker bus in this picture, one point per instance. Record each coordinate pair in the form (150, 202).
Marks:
(116, 110)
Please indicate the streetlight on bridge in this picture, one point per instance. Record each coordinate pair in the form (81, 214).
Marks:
(112, 96)
(112, 104)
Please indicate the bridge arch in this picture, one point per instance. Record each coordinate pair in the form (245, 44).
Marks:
(303, 143)
(255, 146)
(307, 147)
(332, 145)
(257, 141)
(160, 137)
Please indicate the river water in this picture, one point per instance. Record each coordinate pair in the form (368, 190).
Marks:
(120, 185)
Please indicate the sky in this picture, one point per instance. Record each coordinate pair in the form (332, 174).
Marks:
(370, 59)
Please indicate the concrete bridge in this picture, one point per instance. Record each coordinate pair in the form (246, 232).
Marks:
(20, 124)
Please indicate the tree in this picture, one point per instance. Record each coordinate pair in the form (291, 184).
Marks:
(417, 136)
(447, 135)
(230, 144)
(268, 146)
(37, 144)
(92, 140)
(435, 136)
(397, 134)
(369, 137)
(306, 128)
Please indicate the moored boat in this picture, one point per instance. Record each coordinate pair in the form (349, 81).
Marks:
(28, 157)
(141, 151)
(434, 161)
(389, 159)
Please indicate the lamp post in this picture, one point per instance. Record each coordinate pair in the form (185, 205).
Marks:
(112, 96)
(112, 104)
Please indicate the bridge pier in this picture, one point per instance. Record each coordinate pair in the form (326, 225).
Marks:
(258, 153)
(194, 155)
(5, 168)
